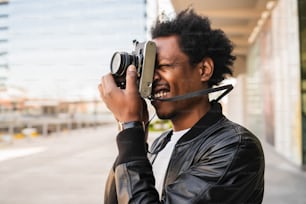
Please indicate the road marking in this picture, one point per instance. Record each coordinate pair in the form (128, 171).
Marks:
(15, 153)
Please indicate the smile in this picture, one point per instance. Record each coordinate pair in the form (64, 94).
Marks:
(161, 94)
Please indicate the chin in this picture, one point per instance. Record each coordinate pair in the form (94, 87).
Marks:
(164, 115)
(164, 110)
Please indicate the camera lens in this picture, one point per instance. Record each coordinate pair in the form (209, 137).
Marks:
(119, 63)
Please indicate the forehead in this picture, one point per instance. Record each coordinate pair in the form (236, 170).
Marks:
(168, 47)
(166, 42)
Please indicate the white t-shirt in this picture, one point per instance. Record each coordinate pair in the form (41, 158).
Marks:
(161, 162)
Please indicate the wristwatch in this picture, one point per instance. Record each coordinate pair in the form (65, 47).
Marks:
(132, 124)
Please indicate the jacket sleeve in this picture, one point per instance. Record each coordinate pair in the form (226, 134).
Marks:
(131, 179)
(110, 194)
(229, 172)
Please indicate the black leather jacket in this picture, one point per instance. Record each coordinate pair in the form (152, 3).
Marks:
(216, 161)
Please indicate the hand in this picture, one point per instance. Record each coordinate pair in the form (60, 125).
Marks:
(125, 104)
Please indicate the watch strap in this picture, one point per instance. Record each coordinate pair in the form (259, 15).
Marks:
(131, 124)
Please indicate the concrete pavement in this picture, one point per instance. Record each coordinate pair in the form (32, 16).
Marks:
(71, 167)
(285, 182)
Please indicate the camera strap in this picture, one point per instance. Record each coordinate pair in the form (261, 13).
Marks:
(227, 89)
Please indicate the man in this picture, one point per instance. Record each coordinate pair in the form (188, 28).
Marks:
(205, 158)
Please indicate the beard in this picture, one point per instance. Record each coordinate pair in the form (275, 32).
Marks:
(177, 109)
(165, 116)
(164, 110)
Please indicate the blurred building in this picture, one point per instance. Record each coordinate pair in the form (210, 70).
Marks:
(60, 49)
(52, 55)
(4, 38)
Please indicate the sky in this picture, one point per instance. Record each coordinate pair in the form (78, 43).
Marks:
(60, 49)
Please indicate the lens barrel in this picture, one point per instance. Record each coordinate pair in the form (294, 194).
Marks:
(120, 62)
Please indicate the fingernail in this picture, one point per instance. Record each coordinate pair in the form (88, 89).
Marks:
(132, 68)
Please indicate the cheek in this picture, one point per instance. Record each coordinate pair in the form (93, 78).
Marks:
(171, 77)
(189, 81)
(179, 79)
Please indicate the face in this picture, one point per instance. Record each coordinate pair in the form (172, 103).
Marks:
(174, 76)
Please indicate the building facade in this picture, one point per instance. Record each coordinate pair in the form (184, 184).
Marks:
(274, 104)
(60, 49)
(4, 39)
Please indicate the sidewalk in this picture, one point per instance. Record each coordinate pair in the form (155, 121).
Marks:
(285, 183)
(72, 168)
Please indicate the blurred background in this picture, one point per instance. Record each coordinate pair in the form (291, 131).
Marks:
(56, 135)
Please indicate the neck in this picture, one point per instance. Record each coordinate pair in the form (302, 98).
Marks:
(188, 119)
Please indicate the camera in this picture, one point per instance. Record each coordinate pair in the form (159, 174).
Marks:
(143, 57)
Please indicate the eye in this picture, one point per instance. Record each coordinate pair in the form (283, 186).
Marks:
(164, 66)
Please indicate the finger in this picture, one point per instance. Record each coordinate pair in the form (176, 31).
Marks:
(108, 82)
(101, 87)
(144, 103)
(145, 111)
(131, 79)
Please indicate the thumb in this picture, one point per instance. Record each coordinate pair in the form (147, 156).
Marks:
(131, 79)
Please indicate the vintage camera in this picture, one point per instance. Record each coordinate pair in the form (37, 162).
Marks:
(143, 57)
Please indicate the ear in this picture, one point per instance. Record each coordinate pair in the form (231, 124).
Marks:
(206, 68)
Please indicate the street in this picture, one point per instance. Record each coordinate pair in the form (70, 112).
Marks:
(71, 167)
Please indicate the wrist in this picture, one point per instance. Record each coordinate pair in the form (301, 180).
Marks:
(131, 124)
(131, 145)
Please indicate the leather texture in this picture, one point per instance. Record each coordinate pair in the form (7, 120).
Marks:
(217, 161)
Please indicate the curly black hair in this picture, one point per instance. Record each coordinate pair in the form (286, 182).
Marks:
(198, 40)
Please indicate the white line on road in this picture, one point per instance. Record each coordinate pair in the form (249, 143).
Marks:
(14, 153)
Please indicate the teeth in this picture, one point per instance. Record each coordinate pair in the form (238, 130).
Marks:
(160, 94)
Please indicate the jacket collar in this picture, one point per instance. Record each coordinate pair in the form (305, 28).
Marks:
(210, 118)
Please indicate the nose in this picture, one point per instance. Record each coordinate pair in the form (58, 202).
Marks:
(156, 75)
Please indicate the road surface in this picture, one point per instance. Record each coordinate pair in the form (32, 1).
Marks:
(72, 167)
